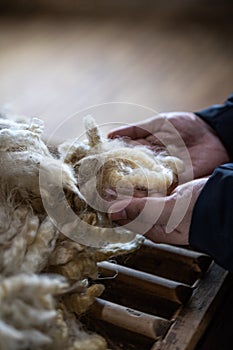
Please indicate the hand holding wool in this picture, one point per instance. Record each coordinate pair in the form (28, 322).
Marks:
(189, 133)
(157, 214)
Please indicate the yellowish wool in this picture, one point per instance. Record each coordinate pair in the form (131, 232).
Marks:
(43, 273)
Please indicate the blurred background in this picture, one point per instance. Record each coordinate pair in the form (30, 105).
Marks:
(58, 57)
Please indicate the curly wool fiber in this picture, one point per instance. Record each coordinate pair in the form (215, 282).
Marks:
(44, 274)
(37, 310)
(116, 164)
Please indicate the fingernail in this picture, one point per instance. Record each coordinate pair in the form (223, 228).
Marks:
(120, 215)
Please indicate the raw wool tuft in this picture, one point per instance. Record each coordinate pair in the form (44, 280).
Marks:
(115, 164)
(93, 134)
(27, 310)
(44, 275)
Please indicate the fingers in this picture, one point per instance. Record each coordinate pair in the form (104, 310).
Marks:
(146, 211)
(158, 234)
(148, 216)
(132, 131)
(138, 130)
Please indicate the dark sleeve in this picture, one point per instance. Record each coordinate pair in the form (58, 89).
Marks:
(220, 118)
(211, 229)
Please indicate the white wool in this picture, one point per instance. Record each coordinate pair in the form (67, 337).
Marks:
(37, 310)
(93, 133)
(23, 155)
(136, 167)
(72, 151)
(38, 252)
(27, 303)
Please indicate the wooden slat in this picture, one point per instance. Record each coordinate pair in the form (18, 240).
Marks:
(197, 261)
(151, 284)
(193, 319)
(130, 319)
(171, 262)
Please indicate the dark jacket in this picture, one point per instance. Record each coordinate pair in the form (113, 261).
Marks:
(211, 229)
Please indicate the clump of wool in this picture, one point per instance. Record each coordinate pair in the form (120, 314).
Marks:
(45, 274)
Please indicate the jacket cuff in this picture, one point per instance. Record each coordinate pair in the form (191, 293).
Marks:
(220, 118)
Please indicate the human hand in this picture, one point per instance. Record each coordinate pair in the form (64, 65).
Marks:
(196, 142)
(162, 219)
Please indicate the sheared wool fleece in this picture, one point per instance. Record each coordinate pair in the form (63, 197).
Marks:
(44, 275)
